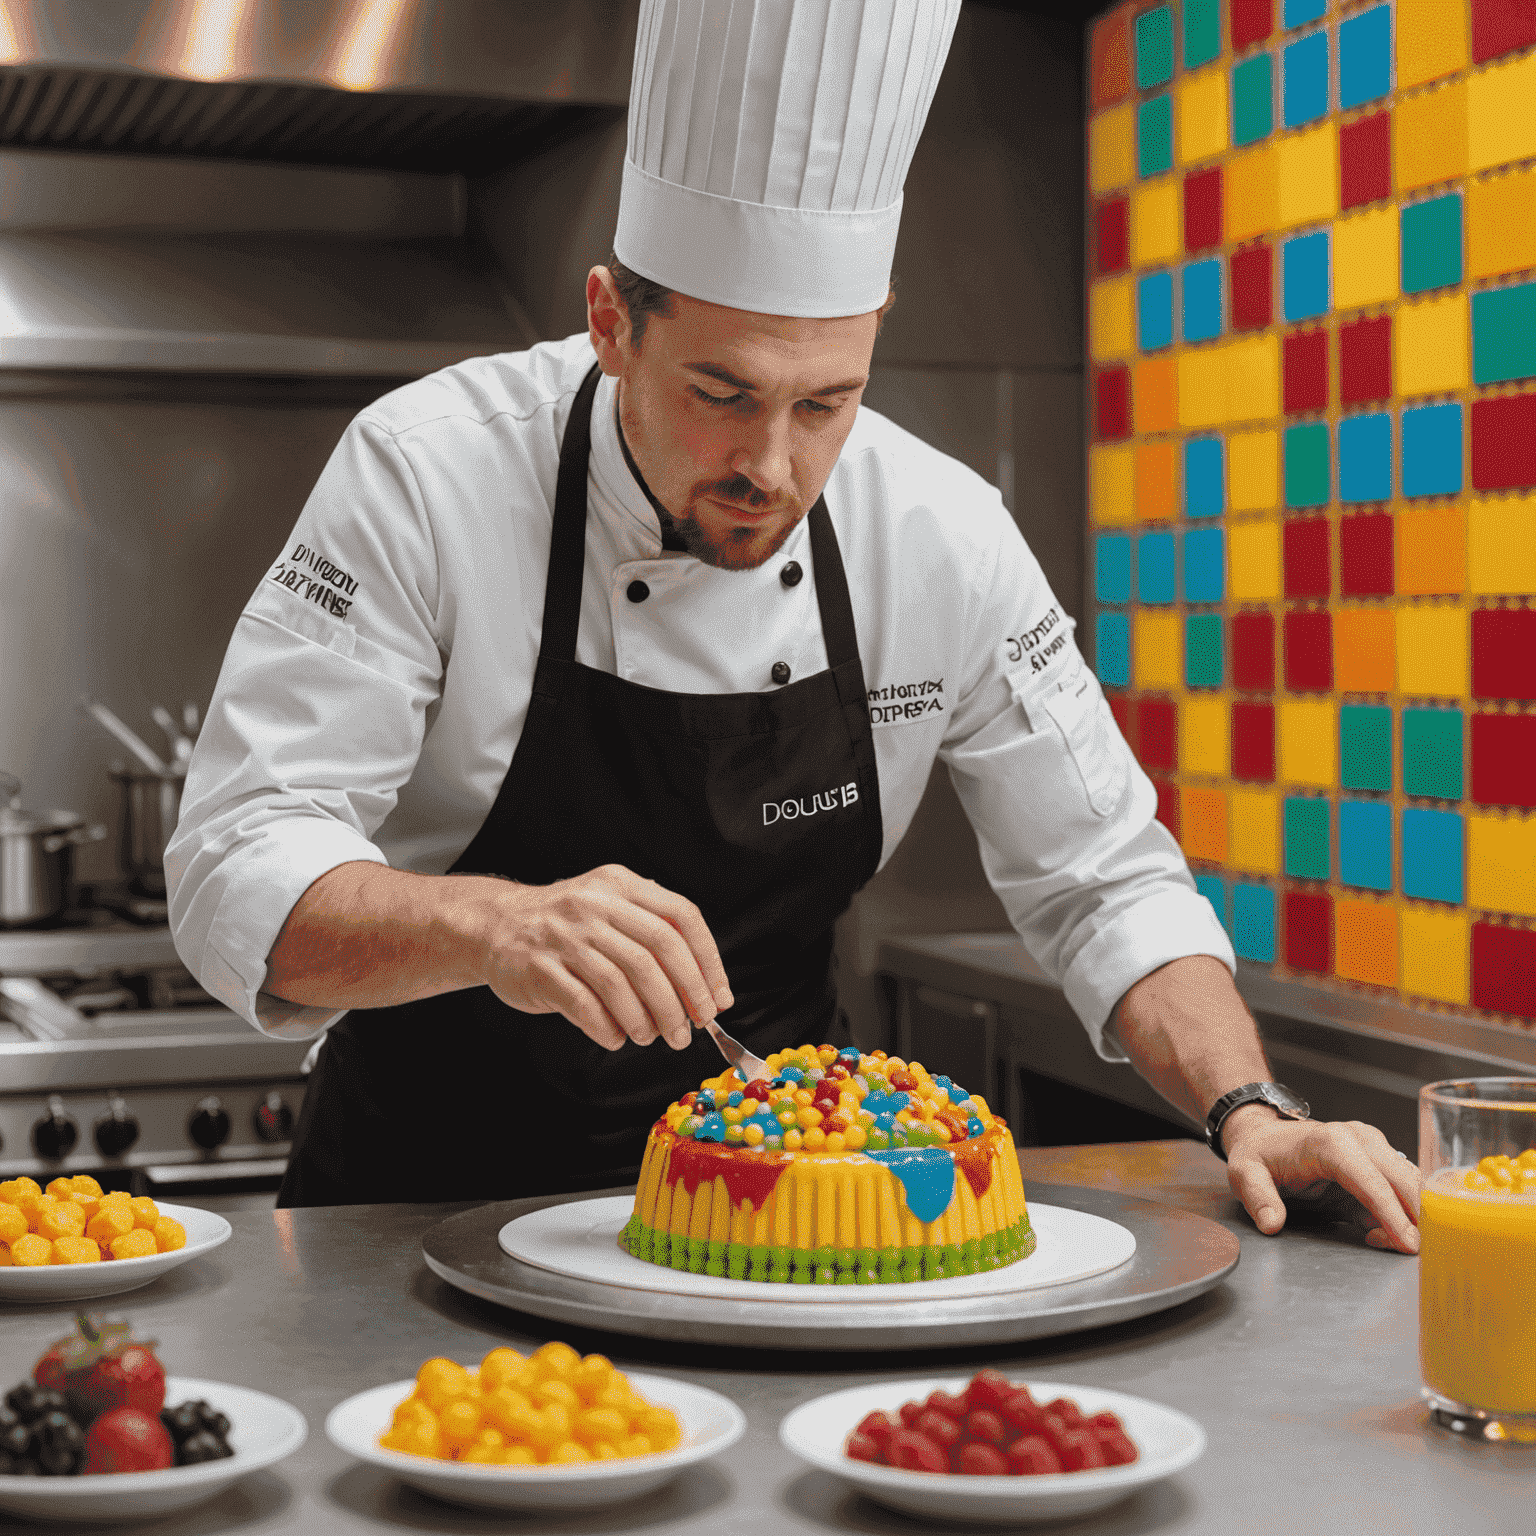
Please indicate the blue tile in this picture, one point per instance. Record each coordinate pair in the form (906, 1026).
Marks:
(1112, 568)
(1299, 12)
(1202, 300)
(1204, 565)
(1365, 844)
(1253, 922)
(1365, 57)
(1204, 482)
(1155, 568)
(1432, 855)
(1432, 450)
(1214, 889)
(1306, 80)
(1112, 650)
(1306, 276)
(1154, 311)
(1365, 458)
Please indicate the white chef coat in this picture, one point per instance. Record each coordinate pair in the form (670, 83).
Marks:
(376, 684)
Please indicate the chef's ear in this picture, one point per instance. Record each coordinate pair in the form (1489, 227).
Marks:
(608, 322)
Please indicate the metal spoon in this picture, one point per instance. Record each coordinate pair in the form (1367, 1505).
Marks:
(129, 738)
(751, 1068)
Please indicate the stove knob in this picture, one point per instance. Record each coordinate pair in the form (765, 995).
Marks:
(273, 1119)
(55, 1136)
(209, 1125)
(117, 1130)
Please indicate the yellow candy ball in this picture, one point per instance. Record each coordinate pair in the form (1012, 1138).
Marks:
(754, 1135)
(460, 1421)
(792, 1140)
(75, 1250)
(855, 1138)
(568, 1451)
(517, 1456)
(136, 1244)
(815, 1139)
(559, 1359)
(556, 1391)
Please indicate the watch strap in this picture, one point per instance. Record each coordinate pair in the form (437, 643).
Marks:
(1279, 1098)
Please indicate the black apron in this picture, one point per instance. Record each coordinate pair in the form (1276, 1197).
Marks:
(762, 808)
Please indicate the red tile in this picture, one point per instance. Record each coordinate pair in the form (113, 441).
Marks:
(1365, 361)
(1501, 26)
(1308, 568)
(1157, 729)
(1202, 209)
(1504, 970)
(1120, 708)
(1308, 652)
(1109, 59)
(1251, 22)
(1504, 442)
(1253, 742)
(1110, 243)
(1365, 555)
(1308, 931)
(1503, 653)
(1365, 160)
(1167, 804)
(1504, 759)
(1306, 371)
(1251, 272)
(1253, 652)
(1112, 403)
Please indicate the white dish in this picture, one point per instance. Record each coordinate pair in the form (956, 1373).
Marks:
(581, 1239)
(263, 1430)
(710, 1424)
(1167, 1440)
(111, 1277)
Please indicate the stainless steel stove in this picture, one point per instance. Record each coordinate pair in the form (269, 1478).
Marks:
(115, 1062)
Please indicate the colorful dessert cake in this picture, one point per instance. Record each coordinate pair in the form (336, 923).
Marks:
(840, 1169)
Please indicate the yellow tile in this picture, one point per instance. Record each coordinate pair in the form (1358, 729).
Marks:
(1429, 137)
(1307, 171)
(1364, 659)
(1203, 824)
(1431, 40)
(1365, 941)
(1432, 346)
(1435, 953)
(1253, 378)
(1501, 126)
(1112, 483)
(1112, 148)
(1253, 471)
(1501, 864)
(1501, 224)
(1432, 651)
(1158, 649)
(1248, 188)
(1202, 115)
(1305, 731)
(1501, 546)
(1203, 727)
(1112, 318)
(1365, 259)
(1253, 562)
(1203, 387)
(1156, 234)
(1255, 841)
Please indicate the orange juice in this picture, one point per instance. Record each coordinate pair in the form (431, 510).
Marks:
(1477, 1292)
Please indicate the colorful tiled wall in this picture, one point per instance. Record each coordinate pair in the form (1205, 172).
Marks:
(1312, 473)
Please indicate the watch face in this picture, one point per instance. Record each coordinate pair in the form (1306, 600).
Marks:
(1286, 1101)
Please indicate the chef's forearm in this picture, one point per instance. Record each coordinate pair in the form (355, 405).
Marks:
(1190, 1035)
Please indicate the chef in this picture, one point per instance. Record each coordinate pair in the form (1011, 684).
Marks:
(595, 680)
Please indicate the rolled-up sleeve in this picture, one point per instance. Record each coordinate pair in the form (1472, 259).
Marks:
(316, 722)
(1066, 820)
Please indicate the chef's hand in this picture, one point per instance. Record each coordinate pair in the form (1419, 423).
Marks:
(1270, 1159)
(620, 956)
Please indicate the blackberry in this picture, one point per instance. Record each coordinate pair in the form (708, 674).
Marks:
(203, 1446)
(29, 1402)
(57, 1444)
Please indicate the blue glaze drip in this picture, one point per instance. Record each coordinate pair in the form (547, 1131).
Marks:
(927, 1175)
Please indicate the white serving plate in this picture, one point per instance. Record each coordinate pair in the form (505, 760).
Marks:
(710, 1424)
(581, 1239)
(111, 1277)
(1167, 1440)
(263, 1430)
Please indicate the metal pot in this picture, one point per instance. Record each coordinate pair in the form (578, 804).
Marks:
(36, 858)
(151, 806)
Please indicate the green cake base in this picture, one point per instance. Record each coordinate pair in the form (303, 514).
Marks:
(828, 1266)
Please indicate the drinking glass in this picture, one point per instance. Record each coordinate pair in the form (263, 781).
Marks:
(1477, 1255)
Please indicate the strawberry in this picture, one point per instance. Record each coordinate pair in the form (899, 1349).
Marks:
(101, 1366)
(127, 1440)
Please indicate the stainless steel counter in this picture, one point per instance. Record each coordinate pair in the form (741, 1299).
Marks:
(1302, 1368)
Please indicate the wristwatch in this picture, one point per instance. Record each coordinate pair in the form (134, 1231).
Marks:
(1279, 1098)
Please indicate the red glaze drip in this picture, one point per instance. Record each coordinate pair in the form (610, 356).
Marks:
(974, 1159)
(748, 1175)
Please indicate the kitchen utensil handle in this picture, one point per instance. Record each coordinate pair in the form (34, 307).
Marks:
(129, 738)
(74, 838)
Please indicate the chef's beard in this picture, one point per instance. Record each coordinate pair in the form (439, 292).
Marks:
(743, 548)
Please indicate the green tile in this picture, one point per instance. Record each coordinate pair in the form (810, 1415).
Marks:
(1253, 99)
(1154, 48)
(1154, 136)
(1432, 244)
(1306, 465)
(1432, 753)
(1202, 32)
(1365, 747)
(1504, 334)
(1203, 650)
(1306, 839)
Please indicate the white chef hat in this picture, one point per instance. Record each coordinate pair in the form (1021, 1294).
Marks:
(768, 144)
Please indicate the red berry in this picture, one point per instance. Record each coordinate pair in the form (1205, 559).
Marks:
(1115, 1446)
(1105, 1421)
(837, 1072)
(911, 1412)
(938, 1427)
(982, 1461)
(1079, 1451)
(984, 1424)
(756, 1090)
(903, 1082)
(877, 1427)
(949, 1404)
(989, 1389)
(1022, 1411)
(916, 1453)
(1031, 1456)
(132, 1379)
(1065, 1410)
(862, 1448)
(127, 1440)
